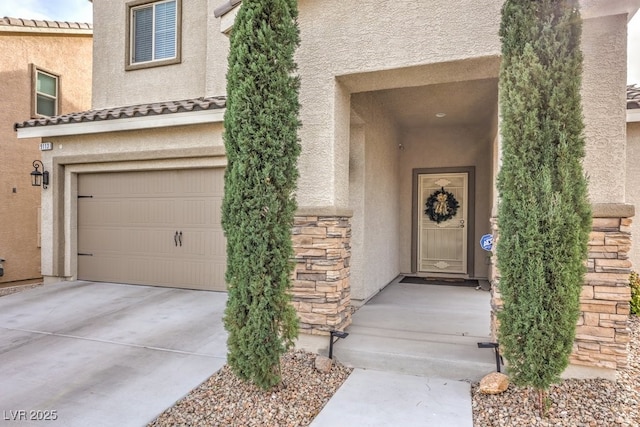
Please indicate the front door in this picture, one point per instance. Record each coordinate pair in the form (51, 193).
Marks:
(442, 222)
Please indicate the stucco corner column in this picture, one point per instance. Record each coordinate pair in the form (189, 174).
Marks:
(602, 333)
(322, 251)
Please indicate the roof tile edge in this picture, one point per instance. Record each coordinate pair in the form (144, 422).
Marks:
(129, 111)
(27, 23)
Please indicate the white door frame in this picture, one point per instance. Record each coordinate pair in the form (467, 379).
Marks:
(470, 171)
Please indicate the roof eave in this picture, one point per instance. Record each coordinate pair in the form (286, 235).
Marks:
(124, 124)
(225, 8)
(42, 30)
(598, 8)
(24, 25)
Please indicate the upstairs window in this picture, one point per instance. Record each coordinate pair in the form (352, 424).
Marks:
(153, 33)
(45, 93)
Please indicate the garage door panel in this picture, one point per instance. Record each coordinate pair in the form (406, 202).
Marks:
(129, 226)
(113, 240)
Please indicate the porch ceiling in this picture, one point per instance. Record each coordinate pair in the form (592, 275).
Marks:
(467, 103)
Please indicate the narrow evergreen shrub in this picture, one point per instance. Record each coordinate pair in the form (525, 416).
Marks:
(261, 124)
(544, 216)
(634, 281)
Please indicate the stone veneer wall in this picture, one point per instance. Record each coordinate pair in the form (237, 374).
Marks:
(602, 334)
(321, 292)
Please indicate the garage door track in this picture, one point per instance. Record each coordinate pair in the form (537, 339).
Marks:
(103, 354)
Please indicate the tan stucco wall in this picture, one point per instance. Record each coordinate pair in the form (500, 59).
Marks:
(68, 56)
(632, 194)
(179, 147)
(603, 98)
(443, 148)
(335, 42)
(357, 170)
(375, 227)
(113, 86)
(217, 52)
(439, 33)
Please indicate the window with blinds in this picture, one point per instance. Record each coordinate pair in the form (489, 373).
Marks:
(153, 32)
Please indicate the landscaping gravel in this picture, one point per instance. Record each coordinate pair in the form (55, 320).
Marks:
(573, 403)
(224, 400)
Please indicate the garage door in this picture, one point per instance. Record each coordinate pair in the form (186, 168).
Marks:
(152, 228)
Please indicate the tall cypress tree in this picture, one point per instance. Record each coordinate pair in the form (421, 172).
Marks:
(261, 124)
(544, 217)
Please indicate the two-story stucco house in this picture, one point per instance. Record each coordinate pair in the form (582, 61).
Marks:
(45, 70)
(399, 99)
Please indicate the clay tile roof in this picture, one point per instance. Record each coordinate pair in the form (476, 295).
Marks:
(141, 110)
(633, 97)
(34, 23)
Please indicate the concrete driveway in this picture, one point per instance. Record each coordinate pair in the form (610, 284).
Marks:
(103, 354)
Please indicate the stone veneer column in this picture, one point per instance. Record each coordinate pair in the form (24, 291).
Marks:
(321, 292)
(602, 333)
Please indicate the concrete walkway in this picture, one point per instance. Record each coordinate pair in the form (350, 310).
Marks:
(414, 350)
(375, 398)
(101, 354)
(422, 330)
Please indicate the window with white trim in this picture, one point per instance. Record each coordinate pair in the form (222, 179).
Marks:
(45, 93)
(153, 33)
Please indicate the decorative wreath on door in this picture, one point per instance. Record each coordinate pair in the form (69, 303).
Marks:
(441, 206)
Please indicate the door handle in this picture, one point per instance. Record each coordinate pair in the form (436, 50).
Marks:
(180, 238)
(175, 238)
(462, 223)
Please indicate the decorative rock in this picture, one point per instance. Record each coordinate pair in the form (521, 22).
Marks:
(494, 383)
(323, 364)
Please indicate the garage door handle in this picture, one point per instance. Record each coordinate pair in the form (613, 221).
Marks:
(180, 238)
(175, 238)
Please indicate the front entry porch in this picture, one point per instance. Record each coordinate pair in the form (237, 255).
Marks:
(427, 330)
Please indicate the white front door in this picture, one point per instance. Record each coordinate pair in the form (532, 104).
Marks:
(442, 246)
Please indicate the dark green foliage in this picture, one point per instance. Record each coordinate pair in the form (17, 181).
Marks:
(544, 216)
(261, 124)
(634, 282)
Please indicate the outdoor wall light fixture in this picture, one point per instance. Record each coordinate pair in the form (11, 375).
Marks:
(39, 178)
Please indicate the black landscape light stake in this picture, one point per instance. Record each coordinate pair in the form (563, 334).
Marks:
(337, 335)
(494, 346)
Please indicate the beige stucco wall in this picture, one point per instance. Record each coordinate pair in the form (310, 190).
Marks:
(603, 98)
(62, 53)
(339, 58)
(217, 52)
(396, 34)
(632, 193)
(440, 33)
(440, 148)
(114, 86)
(374, 166)
(357, 170)
(178, 147)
